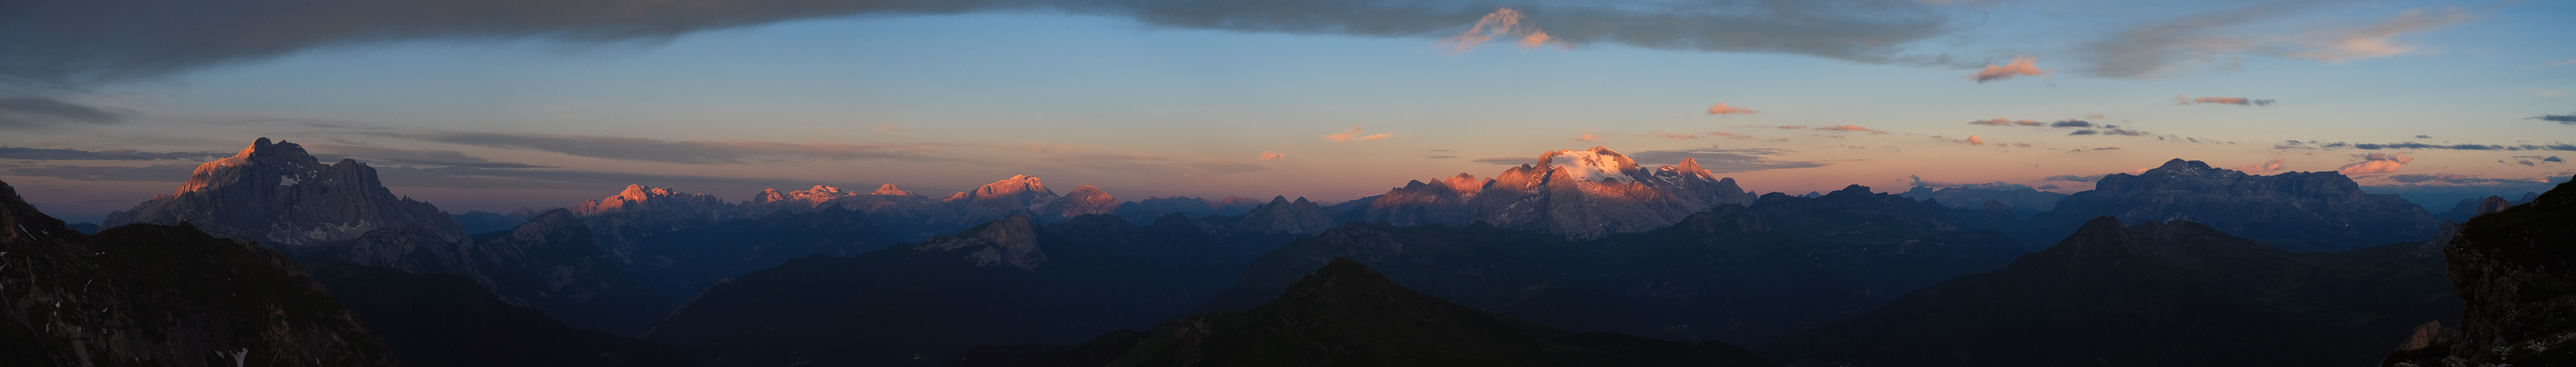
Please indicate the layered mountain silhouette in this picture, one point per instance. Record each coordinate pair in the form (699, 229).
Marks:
(448, 320)
(2514, 268)
(2021, 202)
(1345, 314)
(2160, 293)
(1006, 282)
(551, 263)
(479, 222)
(1577, 194)
(2299, 211)
(277, 194)
(1738, 274)
(162, 295)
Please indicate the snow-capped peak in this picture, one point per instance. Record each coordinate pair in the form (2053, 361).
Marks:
(1596, 164)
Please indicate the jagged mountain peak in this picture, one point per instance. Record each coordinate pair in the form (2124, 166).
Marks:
(1596, 164)
(889, 189)
(1016, 185)
(277, 193)
(1012, 241)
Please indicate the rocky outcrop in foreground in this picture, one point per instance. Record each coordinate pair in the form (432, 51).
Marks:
(155, 295)
(2516, 268)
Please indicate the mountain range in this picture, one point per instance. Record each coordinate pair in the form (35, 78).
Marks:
(283, 197)
(2298, 211)
(1577, 194)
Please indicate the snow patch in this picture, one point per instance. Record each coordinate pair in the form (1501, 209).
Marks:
(1588, 166)
(284, 180)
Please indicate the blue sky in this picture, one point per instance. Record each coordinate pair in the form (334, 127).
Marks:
(1146, 106)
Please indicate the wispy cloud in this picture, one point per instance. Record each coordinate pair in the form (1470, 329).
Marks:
(2073, 178)
(1587, 137)
(2294, 145)
(2020, 66)
(33, 112)
(2240, 101)
(87, 42)
(1851, 128)
(1271, 155)
(1721, 109)
(2457, 179)
(103, 155)
(1721, 160)
(2004, 122)
(686, 152)
(1354, 134)
(2376, 163)
(1669, 135)
(402, 156)
(2157, 48)
(2568, 119)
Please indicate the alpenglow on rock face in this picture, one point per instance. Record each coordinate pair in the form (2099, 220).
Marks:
(1579, 194)
(2299, 211)
(279, 195)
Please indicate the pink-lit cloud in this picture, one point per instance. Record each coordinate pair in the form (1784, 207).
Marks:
(1504, 23)
(2376, 163)
(1587, 137)
(1792, 127)
(2274, 165)
(2020, 66)
(1354, 134)
(2377, 40)
(1271, 155)
(1722, 109)
(1974, 140)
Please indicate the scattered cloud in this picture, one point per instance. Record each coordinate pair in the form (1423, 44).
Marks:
(2376, 163)
(1720, 160)
(1354, 134)
(2455, 179)
(2020, 66)
(1587, 137)
(32, 112)
(1974, 140)
(685, 152)
(1917, 181)
(1136, 163)
(1505, 160)
(1722, 109)
(150, 173)
(2294, 144)
(329, 153)
(2240, 101)
(2005, 122)
(1271, 155)
(2274, 165)
(1851, 128)
(2071, 123)
(2074, 178)
(89, 42)
(1791, 127)
(2568, 119)
(103, 155)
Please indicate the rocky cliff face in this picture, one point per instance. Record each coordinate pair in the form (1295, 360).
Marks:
(2299, 211)
(553, 263)
(1579, 194)
(279, 195)
(640, 198)
(154, 295)
(2516, 268)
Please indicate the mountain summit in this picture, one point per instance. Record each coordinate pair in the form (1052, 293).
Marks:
(1580, 194)
(278, 194)
(2294, 210)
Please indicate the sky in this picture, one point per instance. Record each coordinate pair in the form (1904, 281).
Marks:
(494, 105)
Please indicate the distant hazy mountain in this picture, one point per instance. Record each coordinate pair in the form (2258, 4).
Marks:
(479, 222)
(2155, 294)
(447, 320)
(1736, 273)
(1005, 282)
(155, 295)
(2021, 202)
(1346, 314)
(2298, 211)
(1578, 194)
(279, 195)
(1157, 207)
(2514, 268)
(551, 263)
(2473, 207)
